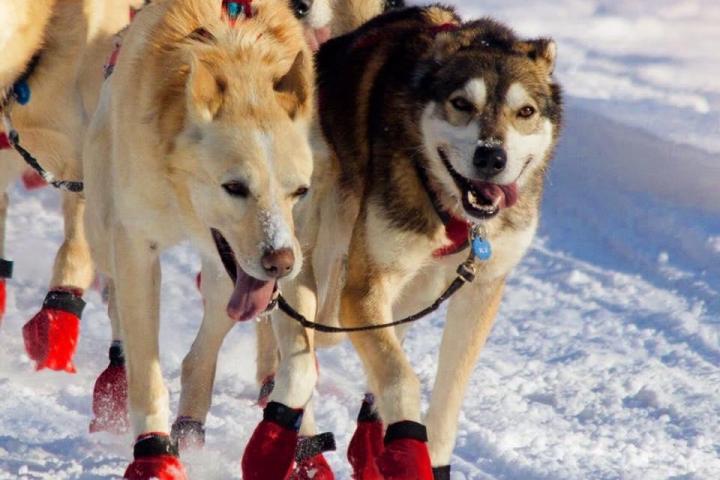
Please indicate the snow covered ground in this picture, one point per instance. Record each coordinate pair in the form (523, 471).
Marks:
(604, 362)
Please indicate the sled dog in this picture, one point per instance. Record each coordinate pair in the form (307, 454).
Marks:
(434, 128)
(201, 133)
(65, 45)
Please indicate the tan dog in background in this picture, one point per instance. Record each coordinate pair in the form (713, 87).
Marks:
(64, 81)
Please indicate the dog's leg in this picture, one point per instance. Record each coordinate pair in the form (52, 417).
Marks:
(367, 299)
(198, 368)
(270, 454)
(10, 168)
(73, 268)
(470, 317)
(136, 277)
(5, 265)
(110, 392)
(267, 360)
(51, 335)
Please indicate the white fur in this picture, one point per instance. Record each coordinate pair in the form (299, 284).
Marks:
(476, 91)
(525, 150)
(320, 14)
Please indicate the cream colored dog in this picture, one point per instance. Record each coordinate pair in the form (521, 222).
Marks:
(198, 372)
(201, 134)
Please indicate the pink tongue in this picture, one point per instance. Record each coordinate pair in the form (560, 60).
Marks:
(316, 37)
(250, 298)
(505, 196)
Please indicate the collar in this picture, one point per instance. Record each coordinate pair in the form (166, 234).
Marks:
(456, 229)
(19, 92)
(232, 9)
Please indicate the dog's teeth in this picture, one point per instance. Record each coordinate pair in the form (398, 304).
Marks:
(472, 199)
(496, 202)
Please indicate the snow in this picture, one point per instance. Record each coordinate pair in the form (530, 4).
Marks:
(603, 363)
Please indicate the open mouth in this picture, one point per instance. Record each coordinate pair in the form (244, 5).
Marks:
(482, 200)
(251, 296)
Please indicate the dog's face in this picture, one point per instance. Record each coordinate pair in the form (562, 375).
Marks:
(243, 161)
(491, 118)
(315, 16)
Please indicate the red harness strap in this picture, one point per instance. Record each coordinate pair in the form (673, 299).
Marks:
(456, 231)
(4, 142)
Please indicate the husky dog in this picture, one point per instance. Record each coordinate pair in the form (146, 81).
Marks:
(201, 133)
(434, 128)
(62, 83)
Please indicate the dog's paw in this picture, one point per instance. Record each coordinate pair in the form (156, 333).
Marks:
(313, 468)
(310, 462)
(51, 336)
(6, 270)
(366, 444)
(405, 456)
(270, 454)
(110, 396)
(188, 433)
(3, 296)
(156, 458)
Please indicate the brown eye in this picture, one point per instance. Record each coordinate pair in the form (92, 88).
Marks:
(236, 189)
(462, 105)
(526, 112)
(300, 192)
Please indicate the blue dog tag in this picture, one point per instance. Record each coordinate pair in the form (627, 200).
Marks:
(21, 90)
(481, 248)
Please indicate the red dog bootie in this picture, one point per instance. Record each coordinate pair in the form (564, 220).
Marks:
(156, 458)
(110, 395)
(270, 454)
(367, 442)
(51, 336)
(6, 269)
(268, 385)
(32, 180)
(188, 433)
(406, 455)
(310, 464)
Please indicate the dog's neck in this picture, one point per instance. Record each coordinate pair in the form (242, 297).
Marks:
(456, 229)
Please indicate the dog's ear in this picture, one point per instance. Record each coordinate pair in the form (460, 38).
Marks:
(293, 89)
(542, 50)
(206, 90)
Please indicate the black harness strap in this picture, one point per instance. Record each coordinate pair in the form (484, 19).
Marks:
(465, 274)
(20, 93)
(67, 185)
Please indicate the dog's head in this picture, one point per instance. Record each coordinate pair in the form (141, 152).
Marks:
(491, 114)
(240, 156)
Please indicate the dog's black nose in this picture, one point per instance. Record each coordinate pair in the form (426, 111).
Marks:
(301, 8)
(278, 263)
(490, 161)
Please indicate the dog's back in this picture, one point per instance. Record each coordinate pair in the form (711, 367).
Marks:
(381, 51)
